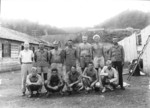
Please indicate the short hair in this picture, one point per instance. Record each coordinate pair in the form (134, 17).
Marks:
(54, 69)
(33, 68)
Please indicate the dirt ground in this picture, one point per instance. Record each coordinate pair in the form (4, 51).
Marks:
(137, 95)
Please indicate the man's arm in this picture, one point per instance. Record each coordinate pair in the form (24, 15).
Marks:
(84, 74)
(35, 57)
(28, 82)
(20, 57)
(32, 55)
(115, 75)
(110, 53)
(103, 71)
(39, 82)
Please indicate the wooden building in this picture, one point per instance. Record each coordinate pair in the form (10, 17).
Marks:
(10, 46)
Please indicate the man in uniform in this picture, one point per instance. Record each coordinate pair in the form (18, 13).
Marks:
(90, 77)
(57, 58)
(74, 80)
(26, 58)
(85, 53)
(117, 57)
(70, 56)
(98, 53)
(109, 76)
(55, 83)
(34, 82)
(42, 61)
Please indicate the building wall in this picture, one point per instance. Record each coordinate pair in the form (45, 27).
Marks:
(130, 49)
(146, 55)
(12, 62)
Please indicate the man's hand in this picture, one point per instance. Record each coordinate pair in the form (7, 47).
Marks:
(55, 88)
(107, 81)
(92, 85)
(90, 78)
(122, 63)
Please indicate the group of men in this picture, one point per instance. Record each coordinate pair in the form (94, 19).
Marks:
(86, 67)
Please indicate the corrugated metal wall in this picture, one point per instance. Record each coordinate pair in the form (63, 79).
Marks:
(129, 45)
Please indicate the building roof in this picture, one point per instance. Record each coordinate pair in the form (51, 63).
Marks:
(6, 33)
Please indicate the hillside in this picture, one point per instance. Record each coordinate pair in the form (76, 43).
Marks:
(32, 28)
(135, 19)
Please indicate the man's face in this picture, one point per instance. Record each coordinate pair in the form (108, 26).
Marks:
(26, 46)
(54, 72)
(109, 65)
(34, 72)
(73, 69)
(90, 66)
(84, 39)
(96, 39)
(41, 46)
(69, 43)
(115, 40)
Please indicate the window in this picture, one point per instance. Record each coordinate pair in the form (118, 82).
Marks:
(6, 49)
(139, 40)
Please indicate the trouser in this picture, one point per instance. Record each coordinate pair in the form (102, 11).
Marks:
(25, 70)
(118, 66)
(106, 82)
(75, 87)
(84, 61)
(52, 90)
(33, 87)
(44, 70)
(99, 62)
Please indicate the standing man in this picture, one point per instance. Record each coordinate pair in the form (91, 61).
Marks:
(85, 53)
(57, 58)
(70, 56)
(117, 57)
(26, 57)
(98, 53)
(42, 61)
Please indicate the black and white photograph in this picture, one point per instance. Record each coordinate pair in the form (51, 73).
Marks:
(74, 54)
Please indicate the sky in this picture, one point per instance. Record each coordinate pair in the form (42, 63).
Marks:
(68, 13)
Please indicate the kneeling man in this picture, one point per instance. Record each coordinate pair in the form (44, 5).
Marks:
(34, 82)
(54, 83)
(109, 76)
(90, 77)
(73, 80)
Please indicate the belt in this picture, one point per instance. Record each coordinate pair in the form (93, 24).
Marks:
(27, 63)
(86, 56)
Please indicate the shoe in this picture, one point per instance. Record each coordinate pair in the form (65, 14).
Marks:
(47, 94)
(110, 87)
(122, 88)
(104, 90)
(23, 94)
(30, 95)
